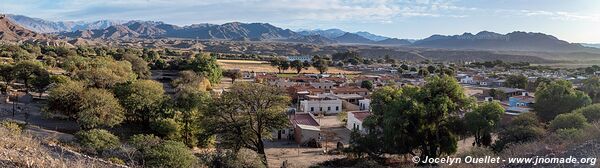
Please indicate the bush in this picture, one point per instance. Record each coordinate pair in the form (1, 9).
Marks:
(568, 120)
(12, 126)
(167, 128)
(143, 142)
(98, 140)
(116, 160)
(170, 154)
(569, 133)
(591, 112)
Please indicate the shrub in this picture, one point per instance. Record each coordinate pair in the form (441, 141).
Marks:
(116, 160)
(167, 128)
(12, 126)
(569, 133)
(591, 112)
(143, 142)
(98, 140)
(568, 120)
(170, 154)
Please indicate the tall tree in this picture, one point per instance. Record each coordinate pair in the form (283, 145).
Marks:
(99, 107)
(245, 116)
(140, 99)
(207, 66)
(233, 74)
(482, 120)
(591, 86)
(191, 105)
(26, 71)
(516, 81)
(320, 63)
(558, 97)
(298, 65)
(410, 119)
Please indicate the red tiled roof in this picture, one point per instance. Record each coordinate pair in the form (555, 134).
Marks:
(361, 115)
(304, 119)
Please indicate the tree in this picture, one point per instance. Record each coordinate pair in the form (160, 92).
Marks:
(540, 81)
(423, 72)
(138, 65)
(101, 72)
(298, 65)
(207, 66)
(410, 119)
(233, 74)
(276, 62)
(285, 65)
(26, 71)
(556, 98)
(191, 79)
(591, 86)
(169, 154)
(99, 107)
(321, 64)
(97, 140)
(367, 84)
(591, 112)
(6, 75)
(140, 99)
(482, 120)
(516, 81)
(404, 66)
(246, 115)
(64, 98)
(523, 128)
(191, 105)
(568, 121)
(41, 81)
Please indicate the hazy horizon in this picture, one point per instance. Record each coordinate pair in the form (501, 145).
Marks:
(573, 21)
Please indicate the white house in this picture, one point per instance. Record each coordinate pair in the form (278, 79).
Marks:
(323, 84)
(355, 120)
(467, 80)
(365, 104)
(321, 106)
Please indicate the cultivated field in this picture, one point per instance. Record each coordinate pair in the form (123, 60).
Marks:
(263, 66)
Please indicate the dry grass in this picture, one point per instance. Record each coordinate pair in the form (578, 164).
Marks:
(263, 66)
(18, 149)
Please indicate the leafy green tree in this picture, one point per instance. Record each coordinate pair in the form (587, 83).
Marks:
(233, 74)
(516, 81)
(320, 63)
(167, 128)
(192, 104)
(540, 81)
(169, 154)
(297, 65)
(140, 99)
(558, 97)
(97, 140)
(64, 98)
(207, 66)
(26, 71)
(367, 84)
(482, 120)
(591, 112)
(246, 115)
(591, 86)
(139, 66)
(523, 128)
(143, 142)
(103, 72)
(99, 107)
(6, 75)
(568, 121)
(41, 81)
(410, 119)
(191, 79)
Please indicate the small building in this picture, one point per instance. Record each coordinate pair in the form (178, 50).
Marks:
(355, 120)
(364, 104)
(326, 106)
(305, 127)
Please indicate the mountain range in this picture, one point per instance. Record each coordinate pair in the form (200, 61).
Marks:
(236, 31)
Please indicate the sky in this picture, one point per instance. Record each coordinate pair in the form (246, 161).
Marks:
(571, 20)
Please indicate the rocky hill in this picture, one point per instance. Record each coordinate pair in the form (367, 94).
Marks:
(44, 26)
(10, 31)
(519, 41)
(353, 38)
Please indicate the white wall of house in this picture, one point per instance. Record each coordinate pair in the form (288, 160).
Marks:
(364, 104)
(353, 122)
(319, 106)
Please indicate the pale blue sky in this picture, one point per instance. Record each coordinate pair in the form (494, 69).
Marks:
(571, 20)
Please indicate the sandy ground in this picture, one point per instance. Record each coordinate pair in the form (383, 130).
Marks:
(262, 66)
(296, 156)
